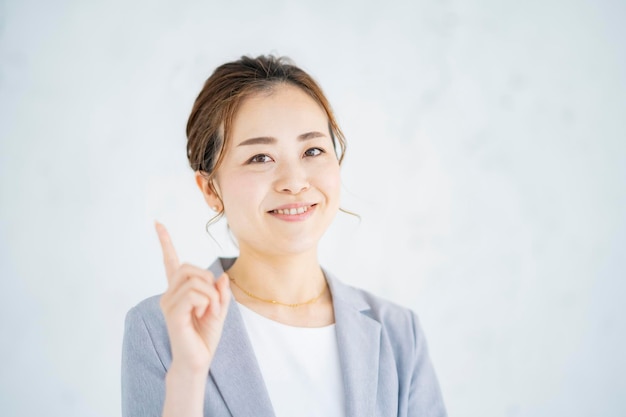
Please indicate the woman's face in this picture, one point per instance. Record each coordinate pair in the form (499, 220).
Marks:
(279, 180)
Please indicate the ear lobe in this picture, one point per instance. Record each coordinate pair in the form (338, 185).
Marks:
(210, 196)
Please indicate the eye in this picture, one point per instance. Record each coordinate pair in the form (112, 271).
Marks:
(259, 159)
(313, 152)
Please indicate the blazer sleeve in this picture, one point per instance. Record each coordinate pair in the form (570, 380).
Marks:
(143, 373)
(425, 399)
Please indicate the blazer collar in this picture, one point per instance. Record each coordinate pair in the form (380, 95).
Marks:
(234, 369)
(236, 372)
(358, 339)
(238, 377)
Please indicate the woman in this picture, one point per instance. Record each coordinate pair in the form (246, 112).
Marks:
(270, 332)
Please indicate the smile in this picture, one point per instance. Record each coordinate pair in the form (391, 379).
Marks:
(295, 213)
(292, 211)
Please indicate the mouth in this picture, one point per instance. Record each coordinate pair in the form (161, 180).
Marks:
(293, 211)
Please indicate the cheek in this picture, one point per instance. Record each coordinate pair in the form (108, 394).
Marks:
(330, 183)
(240, 191)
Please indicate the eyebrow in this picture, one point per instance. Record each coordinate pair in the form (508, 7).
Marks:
(267, 140)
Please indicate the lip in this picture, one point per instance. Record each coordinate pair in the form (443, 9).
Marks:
(310, 208)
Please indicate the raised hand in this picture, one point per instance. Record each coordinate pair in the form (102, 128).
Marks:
(195, 306)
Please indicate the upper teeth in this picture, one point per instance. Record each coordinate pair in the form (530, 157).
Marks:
(292, 211)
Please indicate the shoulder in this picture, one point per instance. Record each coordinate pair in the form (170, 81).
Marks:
(145, 327)
(147, 311)
(380, 307)
(399, 323)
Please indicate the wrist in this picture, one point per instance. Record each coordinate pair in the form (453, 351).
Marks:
(184, 392)
(185, 375)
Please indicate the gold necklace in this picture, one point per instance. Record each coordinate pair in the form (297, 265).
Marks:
(266, 300)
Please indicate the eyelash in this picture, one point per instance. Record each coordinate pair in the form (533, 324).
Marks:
(254, 160)
(321, 151)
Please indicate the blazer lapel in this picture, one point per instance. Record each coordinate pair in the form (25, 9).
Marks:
(234, 369)
(358, 339)
(236, 372)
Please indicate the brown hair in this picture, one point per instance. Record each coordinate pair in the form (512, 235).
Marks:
(210, 122)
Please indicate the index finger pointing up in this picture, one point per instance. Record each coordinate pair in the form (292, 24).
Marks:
(170, 259)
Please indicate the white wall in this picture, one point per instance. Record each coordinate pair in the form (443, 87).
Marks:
(487, 158)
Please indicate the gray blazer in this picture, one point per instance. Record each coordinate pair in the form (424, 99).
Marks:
(382, 351)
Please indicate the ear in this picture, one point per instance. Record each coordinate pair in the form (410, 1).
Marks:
(210, 196)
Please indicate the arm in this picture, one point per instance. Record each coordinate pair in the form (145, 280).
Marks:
(148, 388)
(194, 307)
(142, 371)
(425, 398)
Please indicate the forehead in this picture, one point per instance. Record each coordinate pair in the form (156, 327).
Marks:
(285, 110)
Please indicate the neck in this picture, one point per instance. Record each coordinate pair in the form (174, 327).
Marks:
(286, 278)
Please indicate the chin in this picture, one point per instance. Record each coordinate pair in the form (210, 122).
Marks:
(296, 248)
(288, 246)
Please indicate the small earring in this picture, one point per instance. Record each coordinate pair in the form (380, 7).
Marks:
(214, 208)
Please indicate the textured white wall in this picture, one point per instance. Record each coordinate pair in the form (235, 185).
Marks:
(487, 158)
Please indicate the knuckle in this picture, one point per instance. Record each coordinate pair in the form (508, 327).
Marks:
(194, 296)
(186, 266)
(192, 282)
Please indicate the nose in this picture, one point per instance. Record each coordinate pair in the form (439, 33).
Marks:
(292, 178)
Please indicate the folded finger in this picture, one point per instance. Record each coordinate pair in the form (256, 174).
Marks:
(185, 271)
(194, 284)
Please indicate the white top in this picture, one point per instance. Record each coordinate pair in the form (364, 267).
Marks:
(300, 366)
